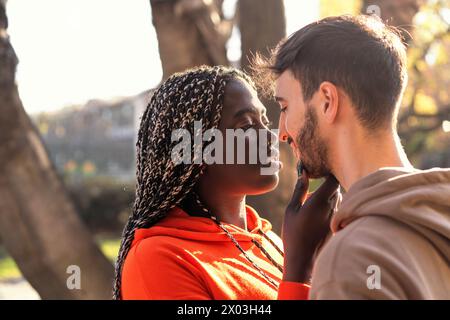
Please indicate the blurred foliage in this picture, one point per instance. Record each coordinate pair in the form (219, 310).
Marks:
(426, 104)
(103, 203)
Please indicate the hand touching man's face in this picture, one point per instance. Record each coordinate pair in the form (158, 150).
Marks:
(299, 126)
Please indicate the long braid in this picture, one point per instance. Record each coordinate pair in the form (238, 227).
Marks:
(194, 95)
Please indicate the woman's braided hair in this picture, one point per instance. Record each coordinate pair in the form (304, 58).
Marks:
(194, 95)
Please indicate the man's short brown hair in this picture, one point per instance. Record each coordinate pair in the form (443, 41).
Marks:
(359, 54)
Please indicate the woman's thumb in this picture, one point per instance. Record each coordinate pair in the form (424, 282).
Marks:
(301, 188)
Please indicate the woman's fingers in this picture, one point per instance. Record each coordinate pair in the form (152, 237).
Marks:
(329, 186)
(300, 190)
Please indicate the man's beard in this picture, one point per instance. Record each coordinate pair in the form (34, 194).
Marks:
(313, 149)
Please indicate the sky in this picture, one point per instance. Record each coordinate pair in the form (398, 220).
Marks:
(73, 51)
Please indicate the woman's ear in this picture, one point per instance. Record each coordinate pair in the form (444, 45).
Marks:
(330, 101)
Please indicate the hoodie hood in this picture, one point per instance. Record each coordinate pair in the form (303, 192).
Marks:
(417, 198)
(181, 225)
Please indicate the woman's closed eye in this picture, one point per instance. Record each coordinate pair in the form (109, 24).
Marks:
(247, 125)
(266, 122)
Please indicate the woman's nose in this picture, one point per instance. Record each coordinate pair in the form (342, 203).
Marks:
(271, 137)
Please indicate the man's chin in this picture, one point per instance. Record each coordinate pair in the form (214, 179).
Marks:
(316, 173)
(316, 176)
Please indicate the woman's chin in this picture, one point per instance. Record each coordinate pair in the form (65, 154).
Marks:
(265, 184)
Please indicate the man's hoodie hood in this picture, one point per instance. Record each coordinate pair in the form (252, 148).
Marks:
(179, 224)
(417, 198)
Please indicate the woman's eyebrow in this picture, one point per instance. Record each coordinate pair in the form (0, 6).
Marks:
(244, 111)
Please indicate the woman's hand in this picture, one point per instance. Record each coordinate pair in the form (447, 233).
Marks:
(306, 225)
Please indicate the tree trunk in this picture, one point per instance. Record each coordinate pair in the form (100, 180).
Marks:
(190, 33)
(262, 24)
(399, 13)
(38, 223)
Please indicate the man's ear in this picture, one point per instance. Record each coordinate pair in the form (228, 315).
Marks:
(329, 101)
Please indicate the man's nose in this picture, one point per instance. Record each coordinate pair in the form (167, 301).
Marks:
(282, 132)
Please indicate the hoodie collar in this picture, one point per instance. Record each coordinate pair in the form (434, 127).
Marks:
(392, 192)
(179, 224)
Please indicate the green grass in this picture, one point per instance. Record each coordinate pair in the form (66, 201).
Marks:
(110, 248)
(9, 269)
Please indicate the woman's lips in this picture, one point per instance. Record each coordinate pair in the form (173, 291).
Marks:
(274, 159)
(273, 163)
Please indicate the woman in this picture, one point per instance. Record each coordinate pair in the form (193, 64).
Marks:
(191, 235)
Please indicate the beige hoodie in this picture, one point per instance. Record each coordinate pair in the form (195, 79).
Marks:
(391, 239)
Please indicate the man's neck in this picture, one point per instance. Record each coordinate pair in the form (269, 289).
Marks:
(358, 158)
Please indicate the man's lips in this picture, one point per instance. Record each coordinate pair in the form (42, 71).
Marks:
(294, 148)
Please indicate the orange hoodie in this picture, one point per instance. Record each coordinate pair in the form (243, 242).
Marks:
(187, 257)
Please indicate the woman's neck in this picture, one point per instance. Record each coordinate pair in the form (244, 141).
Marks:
(227, 208)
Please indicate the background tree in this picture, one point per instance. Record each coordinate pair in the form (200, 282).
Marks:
(38, 223)
(190, 33)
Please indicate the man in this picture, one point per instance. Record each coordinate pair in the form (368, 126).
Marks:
(339, 83)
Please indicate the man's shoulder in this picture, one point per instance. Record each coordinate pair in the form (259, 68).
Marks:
(369, 240)
(370, 228)
(378, 247)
